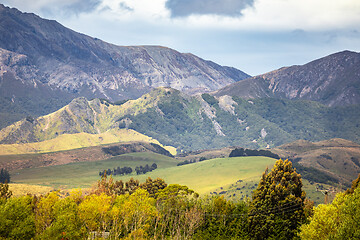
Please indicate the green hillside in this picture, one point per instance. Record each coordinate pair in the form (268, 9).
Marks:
(195, 122)
(259, 123)
(84, 174)
(202, 176)
(235, 178)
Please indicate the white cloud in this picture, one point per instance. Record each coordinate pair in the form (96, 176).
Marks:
(265, 15)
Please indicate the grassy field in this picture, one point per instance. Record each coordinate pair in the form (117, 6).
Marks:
(84, 174)
(203, 177)
(234, 178)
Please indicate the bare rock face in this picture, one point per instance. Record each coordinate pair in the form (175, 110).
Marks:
(333, 80)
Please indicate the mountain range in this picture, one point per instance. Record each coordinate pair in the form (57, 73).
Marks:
(44, 65)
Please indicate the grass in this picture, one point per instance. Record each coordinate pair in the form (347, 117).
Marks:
(21, 189)
(208, 175)
(203, 177)
(84, 174)
(234, 178)
(79, 140)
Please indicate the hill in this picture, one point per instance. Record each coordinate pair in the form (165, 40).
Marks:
(333, 80)
(337, 159)
(223, 171)
(191, 123)
(86, 154)
(234, 178)
(45, 65)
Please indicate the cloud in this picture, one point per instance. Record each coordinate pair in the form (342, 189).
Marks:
(184, 8)
(125, 7)
(51, 8)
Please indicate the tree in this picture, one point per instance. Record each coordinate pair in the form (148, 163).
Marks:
(4, 176)
(136, 212)
(17, 218)
(66, 222)
(223, 219)
(44, 214)
(277, 207)
(354, 185)
(94, 212)
(153, 186)
(5, 193)
(338, 220)
(175, 204)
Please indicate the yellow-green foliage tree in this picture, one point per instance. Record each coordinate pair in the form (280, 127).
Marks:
(44, 213)
(17, 219)
(277, 207)
(179, 212)
(5, 193)
(223, 219)
(134, 214)
(95, 212)
(64, 221)
(338, 220)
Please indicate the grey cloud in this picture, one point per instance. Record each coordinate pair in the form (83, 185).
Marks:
(184, 8)
(75, 7)
(83, 6)
(125, 7)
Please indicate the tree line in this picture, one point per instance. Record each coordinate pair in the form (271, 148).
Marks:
(128, 170)
(155, 210)
(243, 152)
(191, 161)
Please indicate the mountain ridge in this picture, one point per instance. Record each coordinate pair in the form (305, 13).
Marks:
(46, 61)
(333, 80)
(195, 122)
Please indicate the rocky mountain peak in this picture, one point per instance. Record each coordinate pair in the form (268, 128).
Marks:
(333, 80)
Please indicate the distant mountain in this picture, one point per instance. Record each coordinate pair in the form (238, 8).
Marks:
(195, 122)
(44, 65)
(333, 80)
(337, 159)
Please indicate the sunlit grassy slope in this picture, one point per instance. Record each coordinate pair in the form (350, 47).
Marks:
(85, 174)
(203, 176)
(79, 140)
(234, 178)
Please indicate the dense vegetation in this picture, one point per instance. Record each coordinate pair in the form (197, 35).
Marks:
(155, 210)
(241, 152)
(338, 220)
(128, 170)
(182, 122)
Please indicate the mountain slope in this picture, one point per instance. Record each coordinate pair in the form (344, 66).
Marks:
(195, 122)
(338, 158)
(43, 57)
(333, 80)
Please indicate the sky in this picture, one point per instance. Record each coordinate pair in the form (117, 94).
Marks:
(255, 36)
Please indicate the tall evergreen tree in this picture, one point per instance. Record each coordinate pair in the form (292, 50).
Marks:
(277, 208)
(4, 176)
